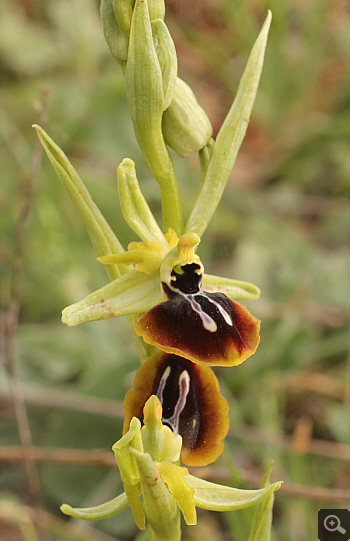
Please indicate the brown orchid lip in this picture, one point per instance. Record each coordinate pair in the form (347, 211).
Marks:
(206, 328)
(192, 404)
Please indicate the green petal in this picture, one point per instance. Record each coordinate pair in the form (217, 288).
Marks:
(135, 209)
(105, 510)
(216, 497)
(158, 439)
(101, 235)
(229, 139)
(173, 476)
(235, 290)
(262, 521)
(160, 507)
(122, 450)
(135, 292)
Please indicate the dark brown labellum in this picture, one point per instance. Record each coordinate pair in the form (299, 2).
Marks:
(192, 404)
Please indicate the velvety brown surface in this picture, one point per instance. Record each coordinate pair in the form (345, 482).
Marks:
(175, 327)
(204, 420)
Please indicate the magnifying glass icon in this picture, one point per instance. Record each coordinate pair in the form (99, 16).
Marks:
(332, 524)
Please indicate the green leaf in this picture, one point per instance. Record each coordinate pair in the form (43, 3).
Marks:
(262, 521)
(135, 292)
(105, 510)
(100, 233)
(229, 139)
(234, 289)
(216, 497)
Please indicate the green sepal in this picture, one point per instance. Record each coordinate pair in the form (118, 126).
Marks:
(124, 457)
(135, 209)
(161, 509)
(116, 39)
(262, 521)
(186, 127)
(216, 497)
(144, 88)
(229, 138)
(173, 476)
(235, 290)
(99, 512)
(167, 59)
(132, 293)
(123, 13)
(158, 439)
(100, 233)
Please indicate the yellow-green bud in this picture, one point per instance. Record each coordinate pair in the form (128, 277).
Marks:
(186, 127)
(123, 13)
(156, 9)
(167, 59)
(117, 40)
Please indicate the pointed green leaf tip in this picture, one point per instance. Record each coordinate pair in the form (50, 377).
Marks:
(262, 521)
(100, 233)
(229, 138)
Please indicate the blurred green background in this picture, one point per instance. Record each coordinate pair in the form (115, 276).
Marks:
(283, 224)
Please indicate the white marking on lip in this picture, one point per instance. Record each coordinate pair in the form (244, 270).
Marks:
(184, 387)
(207, 321)
(222, 311)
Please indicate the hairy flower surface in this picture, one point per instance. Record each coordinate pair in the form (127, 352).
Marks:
(192, 404)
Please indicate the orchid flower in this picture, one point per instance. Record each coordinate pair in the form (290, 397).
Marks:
(147, 457)
(175, 410)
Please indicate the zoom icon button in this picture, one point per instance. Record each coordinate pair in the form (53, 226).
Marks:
(334, 524)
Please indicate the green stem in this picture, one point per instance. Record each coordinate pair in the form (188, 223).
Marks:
(173, 535)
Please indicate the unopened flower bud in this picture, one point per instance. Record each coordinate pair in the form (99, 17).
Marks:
(186, 127)
(167, 59)
(156, 9)
(123, 13)
(116, 38)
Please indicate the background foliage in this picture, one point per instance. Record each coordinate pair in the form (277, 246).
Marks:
(283, 224)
